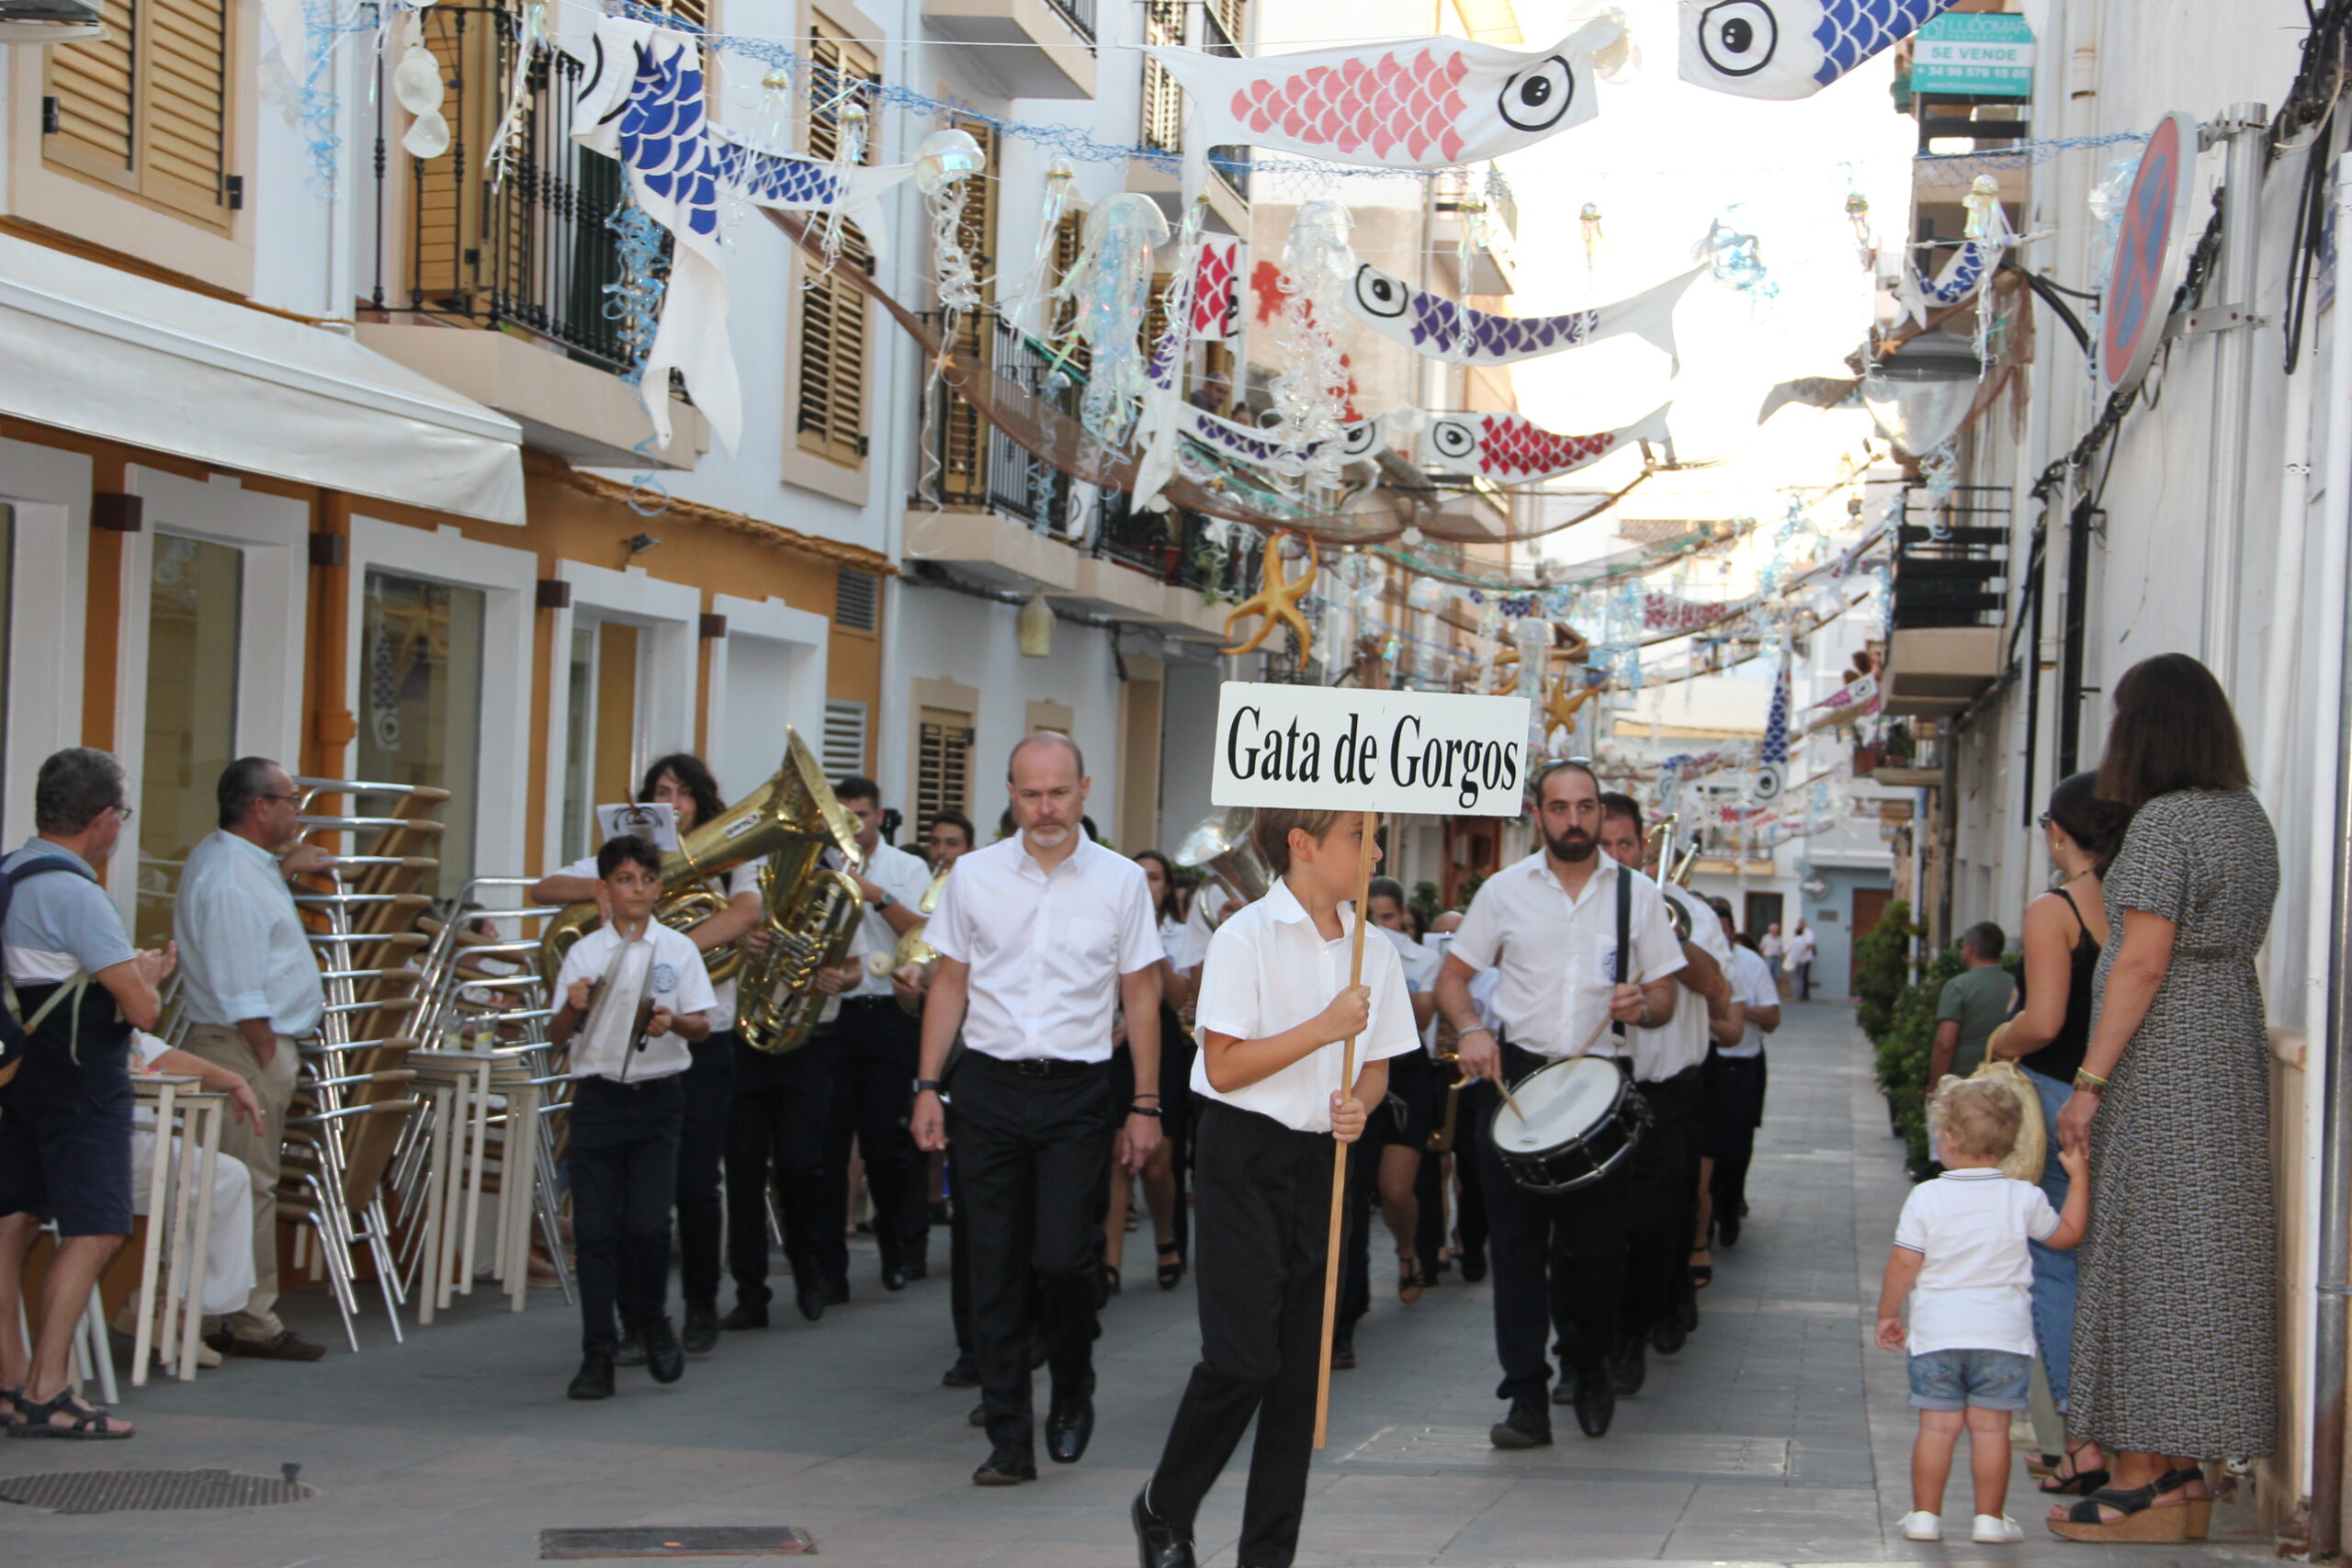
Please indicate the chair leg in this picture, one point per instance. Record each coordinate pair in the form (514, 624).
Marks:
(96, 1354)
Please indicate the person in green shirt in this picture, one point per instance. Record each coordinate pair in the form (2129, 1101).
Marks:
(1971, 1006)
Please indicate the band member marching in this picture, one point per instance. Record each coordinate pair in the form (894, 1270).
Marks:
(1274, 1009)
(1584, 949)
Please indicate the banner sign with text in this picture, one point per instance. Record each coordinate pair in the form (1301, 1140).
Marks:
(1348, 749)
(1974, 54)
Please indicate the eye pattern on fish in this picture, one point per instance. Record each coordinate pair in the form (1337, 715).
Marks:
(1790, 49)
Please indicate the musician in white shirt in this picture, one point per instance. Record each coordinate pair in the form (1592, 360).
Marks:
(1275, 1007)
(1550, 925)
(1038, 935)
(1670, 1066)
(1735, 1099)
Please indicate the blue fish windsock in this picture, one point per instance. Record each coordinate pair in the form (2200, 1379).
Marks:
(1790, 49)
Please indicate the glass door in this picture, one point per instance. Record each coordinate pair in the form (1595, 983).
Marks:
(420, 680)
(196, 589)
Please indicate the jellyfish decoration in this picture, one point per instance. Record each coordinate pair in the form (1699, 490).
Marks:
(1427, 594)
(947, 161)
(1588, 220)
(418, 88)
(1061, 179)
(1163, 404)
(1110, 293)
(1858, 213)
(1532, 638)
(1311, 392)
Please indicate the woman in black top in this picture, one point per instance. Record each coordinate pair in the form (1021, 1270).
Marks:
(2065, 929)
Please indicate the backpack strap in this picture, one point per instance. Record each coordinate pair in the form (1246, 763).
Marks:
(74, 984)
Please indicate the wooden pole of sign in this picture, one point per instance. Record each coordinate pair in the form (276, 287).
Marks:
(1339, 1149)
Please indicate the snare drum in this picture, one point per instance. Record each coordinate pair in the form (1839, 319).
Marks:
(1576, 1121)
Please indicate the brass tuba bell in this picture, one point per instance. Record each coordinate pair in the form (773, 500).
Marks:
(912, 950)
(1221, 846)
(809, 910)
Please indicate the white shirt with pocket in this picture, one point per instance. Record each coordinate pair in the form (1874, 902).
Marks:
(1660, 1054)
(1974, 1290)
(1751, 985)
(1046, 949)
(1557, 955)
(729, 886)
(1269, 969)
(675, 980)
(906, 879)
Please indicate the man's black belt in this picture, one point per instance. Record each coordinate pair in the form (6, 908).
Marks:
(1036, 1067)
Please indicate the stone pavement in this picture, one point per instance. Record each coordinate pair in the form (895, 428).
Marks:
(1778, 1436)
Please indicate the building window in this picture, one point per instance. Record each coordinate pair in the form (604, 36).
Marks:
(843, 749)
(194, 610)
(943, 764)
(831, 409)
(420, 697)
(1163, 99)
(147, 108)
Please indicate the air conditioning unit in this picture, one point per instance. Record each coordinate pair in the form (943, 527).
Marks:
(40, 22)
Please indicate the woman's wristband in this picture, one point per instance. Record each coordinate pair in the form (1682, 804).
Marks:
(2088, 1082)
(1150, 1110)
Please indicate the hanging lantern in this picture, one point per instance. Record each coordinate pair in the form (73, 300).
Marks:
(1035, 625)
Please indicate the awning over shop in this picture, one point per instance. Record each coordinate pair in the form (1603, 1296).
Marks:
(90, 348)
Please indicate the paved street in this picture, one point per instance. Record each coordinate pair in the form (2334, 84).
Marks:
(1775, 1438)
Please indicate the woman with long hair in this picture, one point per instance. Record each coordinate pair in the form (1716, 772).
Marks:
(2176, 1325)
(2065, 929)
(1163, 1171)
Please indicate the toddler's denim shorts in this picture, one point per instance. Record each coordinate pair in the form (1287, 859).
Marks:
(1955, 1380)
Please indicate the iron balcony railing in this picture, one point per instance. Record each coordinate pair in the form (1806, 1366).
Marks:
(528, 246)
(1078, 14)
(979, 465)
(1173, 547)
(1951, 558)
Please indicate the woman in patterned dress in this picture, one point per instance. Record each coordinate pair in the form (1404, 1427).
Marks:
(2175, 1349)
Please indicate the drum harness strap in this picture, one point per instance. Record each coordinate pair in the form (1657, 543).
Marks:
(1624, 939)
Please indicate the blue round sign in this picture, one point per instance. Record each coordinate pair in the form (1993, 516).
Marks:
(2151, 248)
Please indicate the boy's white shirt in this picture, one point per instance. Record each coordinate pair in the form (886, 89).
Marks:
(678, 982)
(1269, 969)
(1973, 1290)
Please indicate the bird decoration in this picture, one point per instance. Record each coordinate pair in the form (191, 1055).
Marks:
(1276, 602)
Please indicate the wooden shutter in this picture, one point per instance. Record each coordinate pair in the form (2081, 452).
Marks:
(1163, 100)
(1228, 16)
(963, 444)
(830, 417)
(697, 12)
(943, 764)
(1069, 241)
(147, 109)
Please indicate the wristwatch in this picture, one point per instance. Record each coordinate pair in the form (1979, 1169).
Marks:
(885, 901)
(930, 1084)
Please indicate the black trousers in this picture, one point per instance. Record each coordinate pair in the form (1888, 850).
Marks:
(702, 1145)
(1470, 1121)
(1664, 1192)
(1403, 1119)
(1260, 1242)
(1733, 1116)
(778, 1120)
(881, 1048)
(623, 1155)
(1559, 1261)
(1031, 1165)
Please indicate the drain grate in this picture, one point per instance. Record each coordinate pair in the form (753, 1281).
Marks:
(120, 1491)
(676, 1540)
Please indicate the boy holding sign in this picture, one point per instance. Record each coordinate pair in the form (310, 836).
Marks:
(1275, 1010)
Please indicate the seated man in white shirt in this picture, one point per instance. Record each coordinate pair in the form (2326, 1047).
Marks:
(227, 1276)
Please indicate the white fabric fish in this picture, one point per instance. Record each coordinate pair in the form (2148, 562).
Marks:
(1790, 49)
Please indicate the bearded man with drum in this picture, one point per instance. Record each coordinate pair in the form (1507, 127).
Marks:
(1582, 949)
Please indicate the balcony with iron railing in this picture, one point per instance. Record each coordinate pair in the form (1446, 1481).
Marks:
(1034, 49)
(1951, 597)
(979, 465)
(496, 281)
(1162, 121)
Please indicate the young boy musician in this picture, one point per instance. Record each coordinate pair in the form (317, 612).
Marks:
(628, 1108)
(1274, 1008)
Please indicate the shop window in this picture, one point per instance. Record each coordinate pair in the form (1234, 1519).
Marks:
(194, 611)
(420, 697)
(147, 108)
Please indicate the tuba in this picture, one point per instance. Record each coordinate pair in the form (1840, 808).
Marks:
(912, 950)
(1221, 846)
(760, 825)
(809, 910)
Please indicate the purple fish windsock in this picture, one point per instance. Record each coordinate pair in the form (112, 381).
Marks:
(1434, 325)
(1790, 49)
(1429, 104)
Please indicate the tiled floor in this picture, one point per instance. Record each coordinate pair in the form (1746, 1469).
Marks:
(1776, 1437)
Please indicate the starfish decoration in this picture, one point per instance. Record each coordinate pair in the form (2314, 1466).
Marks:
(1277, 601)
(1560, 707)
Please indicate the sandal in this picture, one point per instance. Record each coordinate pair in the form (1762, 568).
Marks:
(2058, 1483)
(1411, 1281)
(1171, 1274)
(88, 1421)
(2200, 1509)
(1702, 1274)
(2143, 1520)
(12, 1408)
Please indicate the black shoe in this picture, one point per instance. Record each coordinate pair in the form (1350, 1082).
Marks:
(1686, 1312)
(1667, 1337)
(810, 1300)
(1343, 1352)
(1627, 1369)
(980, 1416)
(1727, 1231)
(965, 1373)
(745, 1315)
(836, 1293)
(916, 1264)
(632, 1349)
(595, 1377)
(1007, 1466)
(1070, 1425)
(1596, 1402)
(894, 1277)
(1474, 1267)
(1157, 1543)
(1041, 1348)
(701, 1336)
(1528, 1425)
(664, 1357)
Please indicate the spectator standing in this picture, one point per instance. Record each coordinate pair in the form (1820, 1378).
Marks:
(1774, 947)
(251, 994)
(65, 1116)
(1797, 959)
(1972, 1005)
(2174, 1097)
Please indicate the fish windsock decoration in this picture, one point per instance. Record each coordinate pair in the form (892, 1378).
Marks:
(1262, 448)
(1432, 103)
(1506, 448)
(1790, 49)
(1438, 327)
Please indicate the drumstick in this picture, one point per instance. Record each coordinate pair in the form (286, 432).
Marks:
(1586, 1050)
(1606, 1020)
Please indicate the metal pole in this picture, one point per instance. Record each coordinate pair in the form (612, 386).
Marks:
(2329, 1339)
(2232, 387)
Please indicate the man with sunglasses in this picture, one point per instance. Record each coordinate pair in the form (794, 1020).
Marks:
(251, 991)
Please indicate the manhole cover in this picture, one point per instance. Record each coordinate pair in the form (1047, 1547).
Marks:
(696, 1541)
(117, 1491)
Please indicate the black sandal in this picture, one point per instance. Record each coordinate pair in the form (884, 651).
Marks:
(1411, 1281)
(89, 1421)
(2082, 1484)
(2142, 1519)
(12, 1408)
(1171, 1274)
